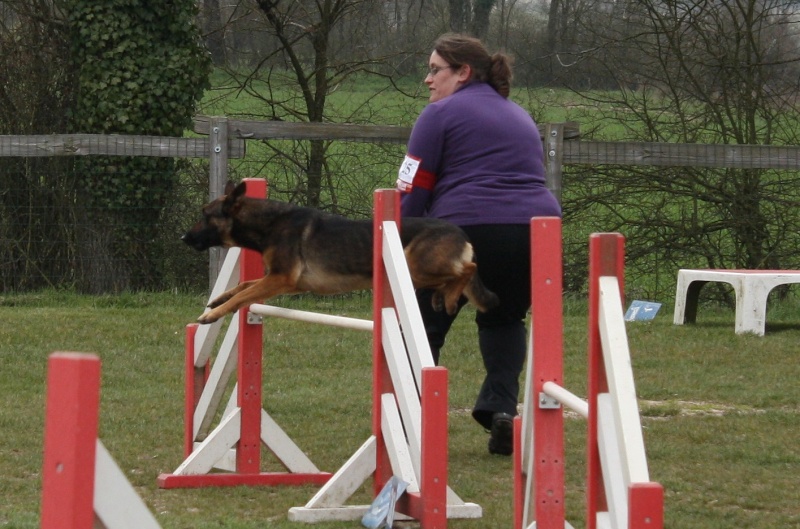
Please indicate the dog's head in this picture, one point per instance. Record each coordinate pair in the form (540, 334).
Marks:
(215, 226)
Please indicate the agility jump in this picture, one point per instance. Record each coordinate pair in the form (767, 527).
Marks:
(619, 491)
(82, 485)
(409, 416)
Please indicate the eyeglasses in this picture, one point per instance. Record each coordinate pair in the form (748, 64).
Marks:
(433, 70)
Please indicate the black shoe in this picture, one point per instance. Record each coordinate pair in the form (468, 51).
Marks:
(501, 441)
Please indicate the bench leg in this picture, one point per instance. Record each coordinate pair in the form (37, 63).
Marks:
(751, 308)
(686, 301)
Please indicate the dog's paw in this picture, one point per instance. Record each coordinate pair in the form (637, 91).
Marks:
(207, 318)
(219, 300)
(452, 308)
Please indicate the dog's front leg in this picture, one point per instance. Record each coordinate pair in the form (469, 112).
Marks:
(251, 292)
(228, 294)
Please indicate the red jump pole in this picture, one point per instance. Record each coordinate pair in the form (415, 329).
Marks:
(251, 337)
(70, 441)
(606, 258)
(547, 342)
(195, 379)
(433, 479)
(387, 207)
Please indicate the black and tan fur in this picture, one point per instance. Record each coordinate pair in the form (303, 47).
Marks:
(305, 250)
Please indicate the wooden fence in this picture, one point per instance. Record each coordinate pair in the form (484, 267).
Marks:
(223, 139)
(562, 145)
(561, 141)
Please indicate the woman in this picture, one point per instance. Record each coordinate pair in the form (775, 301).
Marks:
(475, 159)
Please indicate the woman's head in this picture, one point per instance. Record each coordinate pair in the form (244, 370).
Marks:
(466, 59)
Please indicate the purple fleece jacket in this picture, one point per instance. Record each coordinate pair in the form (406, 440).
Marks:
(475, 157)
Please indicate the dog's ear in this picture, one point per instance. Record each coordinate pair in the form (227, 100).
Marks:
(229, 187)
(231, 203)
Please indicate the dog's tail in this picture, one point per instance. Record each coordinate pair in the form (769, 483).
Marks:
(480, 296)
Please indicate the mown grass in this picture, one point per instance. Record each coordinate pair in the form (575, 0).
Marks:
(720, 411)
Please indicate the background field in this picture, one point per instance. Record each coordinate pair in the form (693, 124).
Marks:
(721, 411)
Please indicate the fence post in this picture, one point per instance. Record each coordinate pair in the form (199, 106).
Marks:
(217, 177)
(554, 157)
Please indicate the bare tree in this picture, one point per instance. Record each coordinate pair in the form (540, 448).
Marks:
(308, 51)
(696, 72)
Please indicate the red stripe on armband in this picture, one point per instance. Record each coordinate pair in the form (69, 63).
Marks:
(425, 180)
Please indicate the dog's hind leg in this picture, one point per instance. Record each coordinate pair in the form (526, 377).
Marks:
(452, 290)
(256, 291)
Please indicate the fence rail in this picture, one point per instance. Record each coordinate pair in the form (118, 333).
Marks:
(112, 145)
(681, 154)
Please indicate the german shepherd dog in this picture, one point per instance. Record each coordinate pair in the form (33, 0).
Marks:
(306, 250)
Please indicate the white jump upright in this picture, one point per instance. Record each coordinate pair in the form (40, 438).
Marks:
(82, 485)
(233, 446)
(620, 494)
(409, 412)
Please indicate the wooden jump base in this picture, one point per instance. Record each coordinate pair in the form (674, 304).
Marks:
(752, 287)
(82, 485)
(619, 491)
(409, 415)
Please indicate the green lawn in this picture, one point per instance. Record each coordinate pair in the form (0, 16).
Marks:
(720, 411)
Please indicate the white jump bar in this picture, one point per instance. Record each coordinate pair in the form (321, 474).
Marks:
(566, 398)
(311, 317)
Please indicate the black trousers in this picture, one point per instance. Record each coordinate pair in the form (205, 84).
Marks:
(503, 256)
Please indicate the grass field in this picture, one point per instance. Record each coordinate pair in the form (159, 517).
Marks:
(720, 411)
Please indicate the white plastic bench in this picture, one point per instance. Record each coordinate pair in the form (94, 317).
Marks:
(751, 287)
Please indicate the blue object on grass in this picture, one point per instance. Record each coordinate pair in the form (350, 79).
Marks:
(642, 311)
(380, 514)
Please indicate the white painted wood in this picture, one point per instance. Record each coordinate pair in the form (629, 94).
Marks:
(214, 447)
(228, 461)
(344, 513)
(396, 445)
(619, 374)
(206, 335)
(529, 510)
(218, 379)
(233, 401)
(567, 525)
(283, 447)
(345, 482)
(527, 405)
(312, 317)
(614, 481)
(464, 511)
(404, 386)
(419, 351)
(604, 521)
(567, 398)
(116, 503)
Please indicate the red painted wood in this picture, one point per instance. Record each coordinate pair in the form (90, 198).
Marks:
(645, 506)
(387, 207)
(547, 333)
(70, 440)
(173, 481)
(606, 258)
(248, 450)
(433, 480)
(195, 380)
(519, 481)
